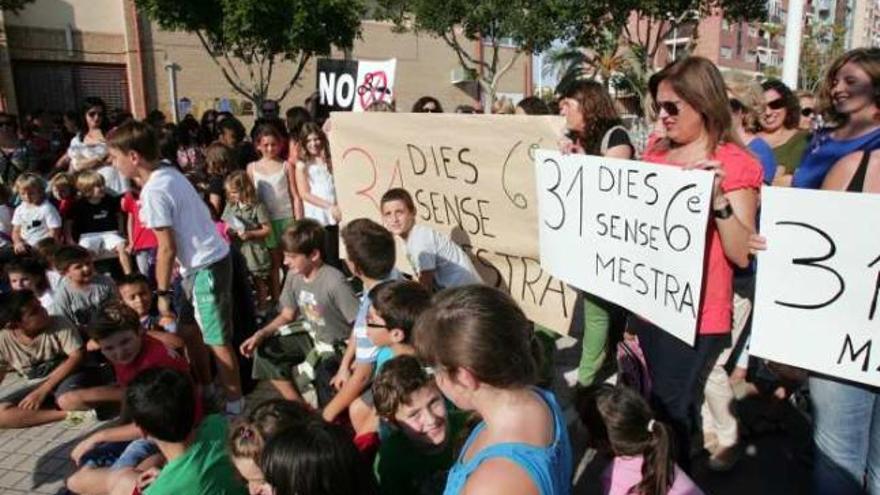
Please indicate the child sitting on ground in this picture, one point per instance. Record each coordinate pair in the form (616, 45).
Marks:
(37, 345)
(621, 423)
(396, 307)
(425, 436)
(117, 330)
(162, 403)
(81, 291)
(436, 260)
(95, 219)
(28, 273)
(315, 296)
(35, 218)
(371, 257)
(248, 437)
(134, 291)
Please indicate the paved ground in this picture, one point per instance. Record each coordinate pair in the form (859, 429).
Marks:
(36, 460)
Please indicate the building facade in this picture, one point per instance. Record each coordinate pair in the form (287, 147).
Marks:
(54, 53)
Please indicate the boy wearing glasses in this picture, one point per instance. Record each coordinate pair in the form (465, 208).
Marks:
(316, 310)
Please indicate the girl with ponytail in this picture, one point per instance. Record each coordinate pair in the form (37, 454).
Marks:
(621, 423)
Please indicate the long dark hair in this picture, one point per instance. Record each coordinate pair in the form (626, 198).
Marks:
(316, 458)
(792, 104)
(598, 111)
(619, 420)
(88, 103)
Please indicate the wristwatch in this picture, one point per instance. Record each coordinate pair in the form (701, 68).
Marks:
(723, 213)
(164, 293)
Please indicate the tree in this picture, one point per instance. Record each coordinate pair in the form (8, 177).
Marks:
(247, 39)
(644, 24)
(14, 5)
(603, 61)
(528, 26)
(820, 45)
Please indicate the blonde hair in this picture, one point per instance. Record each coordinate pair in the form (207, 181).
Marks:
(29, 181)
(87, 181)
(750, 94)
(61, 179)
(239, 181)
(698, 82)
(504, 106)
(381, 106)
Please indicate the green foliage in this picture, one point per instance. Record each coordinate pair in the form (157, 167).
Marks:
(14, 5)
(531, 25)
(259, 33)
(820, 45)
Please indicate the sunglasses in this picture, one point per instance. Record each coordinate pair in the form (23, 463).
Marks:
(430, 110)
(376, 325)
(776, 104)
(807, 112)
(670, 107)
(736, 105)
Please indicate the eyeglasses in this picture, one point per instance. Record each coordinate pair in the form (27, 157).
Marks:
(429, 110)
(776, 104)
(807, 112)
(670, 107)
(736, 105)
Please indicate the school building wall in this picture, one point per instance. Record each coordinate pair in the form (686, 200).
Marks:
(55, 51)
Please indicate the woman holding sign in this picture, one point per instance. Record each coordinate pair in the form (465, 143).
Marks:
(694, 110)
(594, 128)
(847, 415)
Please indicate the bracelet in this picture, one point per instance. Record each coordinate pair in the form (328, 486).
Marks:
(164, 293)
(723, 213)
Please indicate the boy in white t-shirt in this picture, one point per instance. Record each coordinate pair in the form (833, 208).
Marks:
(174, 210)
(436, 260)
(35, 218)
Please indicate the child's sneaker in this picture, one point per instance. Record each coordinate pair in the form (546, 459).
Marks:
(79, 418)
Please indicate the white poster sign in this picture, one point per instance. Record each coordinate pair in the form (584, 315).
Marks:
(375, 82)
(631, 232)
(818, 283)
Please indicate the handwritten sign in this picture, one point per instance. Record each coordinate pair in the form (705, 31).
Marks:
(630, 232)
(818, 283)
(471, 176)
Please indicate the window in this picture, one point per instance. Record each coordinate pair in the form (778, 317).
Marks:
(726, 52)
(751, 56)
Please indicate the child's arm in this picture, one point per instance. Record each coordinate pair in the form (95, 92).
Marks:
(167, 338)
(426, 278)
(121, 433)
(165, 254)
(257, 234)
(56, 233)
(68, 232)
(18, 243)
(285, 316)
(129, 231)
(295, 199)
(34, 399)
(344, 372)
(351, 390)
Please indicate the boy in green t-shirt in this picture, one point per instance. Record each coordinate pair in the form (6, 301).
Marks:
(425, 437)
(161, 402)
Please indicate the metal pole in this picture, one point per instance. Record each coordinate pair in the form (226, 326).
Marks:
(793, 31)
(172, 69)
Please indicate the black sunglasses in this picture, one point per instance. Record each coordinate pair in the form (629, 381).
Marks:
(376, 325)
(670, 107)
(736, 105)
(807, 112)
(776, 104)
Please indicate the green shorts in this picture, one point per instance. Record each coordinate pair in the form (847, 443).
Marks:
(278, 228)
(208, 302)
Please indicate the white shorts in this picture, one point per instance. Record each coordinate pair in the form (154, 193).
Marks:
(101, 242)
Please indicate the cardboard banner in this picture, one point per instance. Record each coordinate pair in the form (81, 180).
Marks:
(630, 232)
(471, 176)
(818, 283)
(353, 85)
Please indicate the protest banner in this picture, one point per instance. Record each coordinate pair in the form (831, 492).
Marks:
(471, 176)
(630, 232)
(818, 283)
(352, 85)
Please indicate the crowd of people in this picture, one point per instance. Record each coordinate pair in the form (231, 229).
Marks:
(162, 270)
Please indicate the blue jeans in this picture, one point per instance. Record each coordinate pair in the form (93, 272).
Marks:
(847, 437)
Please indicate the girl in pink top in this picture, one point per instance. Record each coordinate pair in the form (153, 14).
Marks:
(691, 101)
(621, 424)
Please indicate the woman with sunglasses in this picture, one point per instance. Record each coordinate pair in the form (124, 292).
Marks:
(594, 128)
(88, 149)
(747, 108)
(694, 111)
(779, 127)
(807, 101)
(848, 101)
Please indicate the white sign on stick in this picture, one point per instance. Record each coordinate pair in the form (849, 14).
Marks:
(816, 295)
(631, 232)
